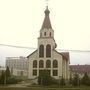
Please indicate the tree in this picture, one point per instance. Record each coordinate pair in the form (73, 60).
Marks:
(76, 80)
(7, 74)
(62, 81)
(2, 78)
(11, 80)
(85, 80)
(70, 79)
(45, 78)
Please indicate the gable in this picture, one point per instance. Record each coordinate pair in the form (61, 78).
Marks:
(56, 55)
(32, 54)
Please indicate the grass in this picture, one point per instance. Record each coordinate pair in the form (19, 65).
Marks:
(44, 88)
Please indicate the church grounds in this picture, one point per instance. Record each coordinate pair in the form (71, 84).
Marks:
(41, 88)
(44, 88)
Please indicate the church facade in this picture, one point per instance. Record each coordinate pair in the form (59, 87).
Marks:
(46, 57)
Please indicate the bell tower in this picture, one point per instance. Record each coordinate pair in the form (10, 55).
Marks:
(46, 42)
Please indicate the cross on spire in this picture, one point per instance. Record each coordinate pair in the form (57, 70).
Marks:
(47, 3)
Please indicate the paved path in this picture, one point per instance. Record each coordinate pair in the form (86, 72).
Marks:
(20, 85)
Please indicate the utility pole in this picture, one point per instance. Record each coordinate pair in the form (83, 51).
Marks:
(5, 78)
(59, 80)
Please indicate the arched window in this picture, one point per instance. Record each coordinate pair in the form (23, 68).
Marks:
(41, 51)
(50, 34)
(48, 64)
(55, 64)
(41, 64)
(40, 34)
(44, 33)
(48, 50)
(35, 64)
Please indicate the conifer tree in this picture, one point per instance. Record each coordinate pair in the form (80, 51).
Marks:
(7, 73)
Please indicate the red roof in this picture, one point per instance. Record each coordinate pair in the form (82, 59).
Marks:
(65, 54)
(80, 68)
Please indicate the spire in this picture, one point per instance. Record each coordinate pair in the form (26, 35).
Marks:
(46, 24)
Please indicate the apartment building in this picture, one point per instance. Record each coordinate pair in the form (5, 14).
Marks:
(17, 65)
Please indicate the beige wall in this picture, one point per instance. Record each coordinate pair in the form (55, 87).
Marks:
(17, 72)
(17, 63)
(62, 65)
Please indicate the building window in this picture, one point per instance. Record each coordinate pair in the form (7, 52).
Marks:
(41, 51)
(34, 72)
(48, 64)
(44, 33)
(41, 64)
(35, 64)
(48, 50)
(55, 64)
(22, 73)
(55, 72)
(50, 34)
(40, 34)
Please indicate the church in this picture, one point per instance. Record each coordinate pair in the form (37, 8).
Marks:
(46, 57)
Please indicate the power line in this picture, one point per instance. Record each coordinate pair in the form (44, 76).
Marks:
(88, 51)
(17, 46)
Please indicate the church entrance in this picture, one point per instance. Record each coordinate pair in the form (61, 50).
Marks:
(44, 76)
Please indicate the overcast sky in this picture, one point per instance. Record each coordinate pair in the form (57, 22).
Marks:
(21, 20)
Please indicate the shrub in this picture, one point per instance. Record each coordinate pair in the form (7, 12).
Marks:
(46, 79)
(62, 81)
(2, 77)
(85, 80)
(76, 80)
(11, 80)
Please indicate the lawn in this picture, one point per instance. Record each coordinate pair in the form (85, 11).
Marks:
(41, 88)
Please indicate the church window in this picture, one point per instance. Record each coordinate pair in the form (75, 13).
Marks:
(48, 64)
(44, 33)
(55, 72)
(34, 72)
(35, 64)
(55, 64)
(50, 34)
(41, 51)
(41, 64)
(40, 34)
(48, 50)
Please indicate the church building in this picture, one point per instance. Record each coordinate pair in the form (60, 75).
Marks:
(46, 57)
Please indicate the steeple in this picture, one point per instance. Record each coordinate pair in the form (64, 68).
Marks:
(46, 24)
